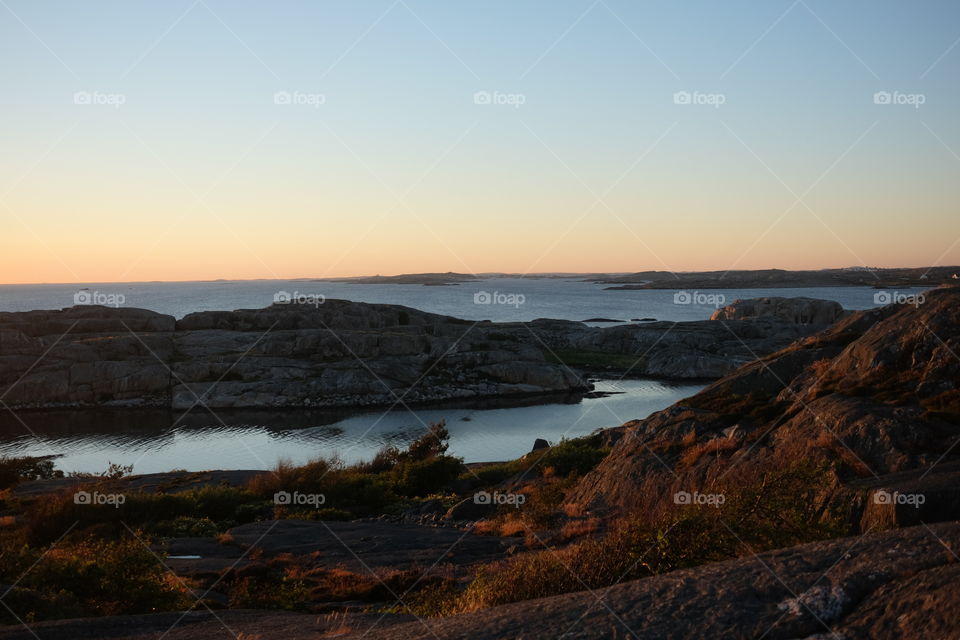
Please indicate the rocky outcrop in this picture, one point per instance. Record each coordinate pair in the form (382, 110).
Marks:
(796, 310)
(696, 349)
(876, 394)
(340, 354)
(895, 584)
(335, 354)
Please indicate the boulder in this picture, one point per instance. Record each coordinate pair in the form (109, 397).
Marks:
(804, 311)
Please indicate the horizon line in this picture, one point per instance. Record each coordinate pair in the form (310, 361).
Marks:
(484, 274)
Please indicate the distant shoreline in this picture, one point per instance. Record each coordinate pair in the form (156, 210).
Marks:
(731, 279)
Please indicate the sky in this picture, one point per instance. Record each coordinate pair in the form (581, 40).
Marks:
(203, 139)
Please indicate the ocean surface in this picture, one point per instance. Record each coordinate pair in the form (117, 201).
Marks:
(160, 440)
(498, 299)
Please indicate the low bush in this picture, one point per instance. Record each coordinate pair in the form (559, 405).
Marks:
(14, 470)
(423, 477)
(368, 487)
(48, 517)
(577, 456)
(90, 577)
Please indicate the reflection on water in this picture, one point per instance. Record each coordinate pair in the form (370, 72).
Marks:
(158, 440)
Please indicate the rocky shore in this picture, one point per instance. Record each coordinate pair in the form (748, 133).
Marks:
(349, 354)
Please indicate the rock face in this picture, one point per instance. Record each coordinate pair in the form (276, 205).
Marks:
(874, 395)
(339, 354)
(796, 310)
(895, 584)
(697, 349)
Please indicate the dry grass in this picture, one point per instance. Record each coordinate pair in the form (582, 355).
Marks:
(579, 528)
(716, 445)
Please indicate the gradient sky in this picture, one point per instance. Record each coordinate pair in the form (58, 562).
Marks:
(200, 175)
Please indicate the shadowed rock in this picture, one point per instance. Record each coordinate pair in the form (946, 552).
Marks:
(895, 584)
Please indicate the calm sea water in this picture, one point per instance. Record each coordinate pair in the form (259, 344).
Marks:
(511, 299)
(88, 441)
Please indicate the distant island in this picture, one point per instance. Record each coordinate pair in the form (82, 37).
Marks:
(780, 278)
(733, 279)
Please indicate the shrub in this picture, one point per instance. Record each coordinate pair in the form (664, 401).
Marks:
(577, 457)
(49, 516)
(431, 444)
(368, 487)
(491, 474)
(13, 470)
(423, 477)
(106, 578)
(187, 527)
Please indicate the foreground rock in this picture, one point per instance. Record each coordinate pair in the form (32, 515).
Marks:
(876, 395)
(896, 584)
(343, 354)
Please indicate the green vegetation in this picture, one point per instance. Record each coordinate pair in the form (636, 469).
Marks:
(87, 577)
(212, 508)
(577, 457)
(14, 470)
(369, 488)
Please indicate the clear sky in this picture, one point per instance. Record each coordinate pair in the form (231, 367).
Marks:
(147, 140)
